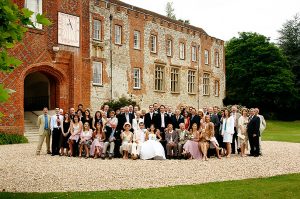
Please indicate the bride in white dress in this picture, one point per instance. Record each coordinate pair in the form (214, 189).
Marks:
(152, 148)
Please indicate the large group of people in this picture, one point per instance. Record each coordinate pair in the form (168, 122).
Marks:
(160, 133)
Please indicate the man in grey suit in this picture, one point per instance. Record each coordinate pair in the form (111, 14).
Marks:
(44, 131)
(171, 137)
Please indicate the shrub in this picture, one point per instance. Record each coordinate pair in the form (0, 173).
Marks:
(121, 102)
(12, 139)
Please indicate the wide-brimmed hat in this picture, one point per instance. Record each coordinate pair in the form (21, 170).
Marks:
(126, 123)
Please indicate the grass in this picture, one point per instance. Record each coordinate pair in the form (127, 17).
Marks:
(284, 186)
(12, 139)
(282, 131)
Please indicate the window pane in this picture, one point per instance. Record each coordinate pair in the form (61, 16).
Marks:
(97, 72)
(136, 78)
(136, 40)
(217, 59)
(181, 51)
(118, 34)
(205, 84)
(206, 56)
(159, 78)
(36, 7)
(97, 30)
(169, 48)
(194, 54)
(153, 43)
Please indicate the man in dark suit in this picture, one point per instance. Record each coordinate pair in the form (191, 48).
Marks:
(150, 117)
(125, 117)
(113, 140)
(253, 133)
(177, 119)
(161, 123)
(214, 119)
(162, 120)
(194, 119)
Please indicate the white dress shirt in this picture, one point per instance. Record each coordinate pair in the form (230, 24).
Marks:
(53, 123)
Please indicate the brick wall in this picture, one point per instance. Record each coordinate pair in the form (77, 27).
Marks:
(69, 68)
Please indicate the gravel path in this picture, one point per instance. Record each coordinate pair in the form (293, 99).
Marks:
(22, 171)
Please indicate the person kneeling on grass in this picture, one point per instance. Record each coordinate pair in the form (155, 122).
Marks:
(126, 137)
(85, 139)
(138, 140)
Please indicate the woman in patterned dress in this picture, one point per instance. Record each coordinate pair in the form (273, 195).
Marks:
(242, 131)
(98, 141)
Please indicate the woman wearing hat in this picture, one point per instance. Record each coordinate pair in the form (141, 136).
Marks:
(126, 137)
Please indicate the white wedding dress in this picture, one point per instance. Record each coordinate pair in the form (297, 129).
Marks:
(152, 149)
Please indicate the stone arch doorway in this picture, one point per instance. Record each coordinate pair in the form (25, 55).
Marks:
(40, 90)
(53, 82)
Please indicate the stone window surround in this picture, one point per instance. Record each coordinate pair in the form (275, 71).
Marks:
(138, 78)
(153, 33)
(101, 19)
(101, 73)
(118, 23)
(194, 46)
(161, 77)
(182, 41)
(191, 84)
(217, 59)
(175, 81)
(206, 57)
(217, 87)
(139, 40)
(206, 84)
(169, 38)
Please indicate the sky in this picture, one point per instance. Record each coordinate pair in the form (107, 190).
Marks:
(223, 19)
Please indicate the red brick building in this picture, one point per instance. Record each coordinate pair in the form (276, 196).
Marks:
(52, 74)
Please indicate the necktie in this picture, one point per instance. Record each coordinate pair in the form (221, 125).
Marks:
(46, 122)
(58, 121)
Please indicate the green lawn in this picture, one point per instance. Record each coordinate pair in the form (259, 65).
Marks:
(282, 131)
(285, 186)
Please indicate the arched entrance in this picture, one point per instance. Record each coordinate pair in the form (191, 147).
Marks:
(39, 91)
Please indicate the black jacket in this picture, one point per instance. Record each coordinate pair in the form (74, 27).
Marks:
(253, 126)
(176, 121)
(196, 119)
(148, 121)
(158, 120)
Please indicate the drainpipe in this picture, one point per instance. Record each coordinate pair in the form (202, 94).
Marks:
(111, 58)
(198, 75)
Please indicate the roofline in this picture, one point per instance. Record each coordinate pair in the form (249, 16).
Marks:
(165, 18)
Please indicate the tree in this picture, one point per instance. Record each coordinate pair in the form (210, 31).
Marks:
(289, 42)
(258, 75)
(170, 10)
(13, 25)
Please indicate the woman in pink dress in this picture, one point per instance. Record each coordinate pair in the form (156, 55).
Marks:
(192, 145)
(98, 141)
(76, 128)
(85, 139)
